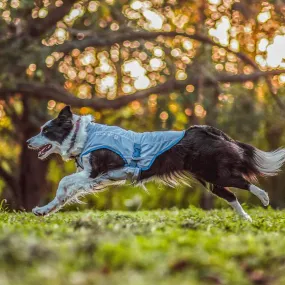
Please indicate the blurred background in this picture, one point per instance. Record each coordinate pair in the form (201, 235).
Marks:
(141, 65)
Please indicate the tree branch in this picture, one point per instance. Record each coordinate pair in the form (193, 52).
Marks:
(109, 38)
(248, 77)
(57, 93)
(104, 39)
(37, 27)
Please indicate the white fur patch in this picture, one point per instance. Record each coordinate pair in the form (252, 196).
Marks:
(260, 194)
(238, 208)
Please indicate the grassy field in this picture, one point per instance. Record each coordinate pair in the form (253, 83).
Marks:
(152, 247)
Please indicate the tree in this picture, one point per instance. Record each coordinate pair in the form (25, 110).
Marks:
(105, 55)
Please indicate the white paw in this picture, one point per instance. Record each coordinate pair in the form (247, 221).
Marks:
(41, 211)
(264, 198)
(247, 217)
(261, 194)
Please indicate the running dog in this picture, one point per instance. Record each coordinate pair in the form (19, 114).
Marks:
(107, 155)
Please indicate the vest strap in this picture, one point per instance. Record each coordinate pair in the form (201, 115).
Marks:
(73, 139)
(136, 155)
(136, 175)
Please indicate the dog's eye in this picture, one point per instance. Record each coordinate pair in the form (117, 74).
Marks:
(45, 131)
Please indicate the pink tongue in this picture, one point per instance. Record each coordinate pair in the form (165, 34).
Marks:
(44, 149)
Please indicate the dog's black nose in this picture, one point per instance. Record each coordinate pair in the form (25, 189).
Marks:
(28, 141)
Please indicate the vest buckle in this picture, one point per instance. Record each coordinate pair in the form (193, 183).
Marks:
(136, 155)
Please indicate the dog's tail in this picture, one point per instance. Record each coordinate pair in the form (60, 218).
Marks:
(261, 163)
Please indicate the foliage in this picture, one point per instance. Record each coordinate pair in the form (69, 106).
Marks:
(160, 247)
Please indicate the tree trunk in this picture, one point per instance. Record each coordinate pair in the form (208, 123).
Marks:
(275, 184)
(32, 178)
(32, 172)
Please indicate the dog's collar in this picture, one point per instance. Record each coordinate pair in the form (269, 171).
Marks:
(73, 139)
(76, 159)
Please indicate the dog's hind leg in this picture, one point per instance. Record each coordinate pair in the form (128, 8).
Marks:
(260, 194)
(230, 197)
(241, 183)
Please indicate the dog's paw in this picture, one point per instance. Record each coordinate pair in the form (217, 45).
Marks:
(247, 217)
(260, 194)
(264, 198)
(40, 211)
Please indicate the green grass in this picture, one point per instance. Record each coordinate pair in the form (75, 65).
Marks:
(149, 247)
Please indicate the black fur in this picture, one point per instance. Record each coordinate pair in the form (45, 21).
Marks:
(103, 160)
(59, 128)
(205, 153)
(224, 193)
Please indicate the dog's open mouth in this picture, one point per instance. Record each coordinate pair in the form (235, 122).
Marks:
(43, 149)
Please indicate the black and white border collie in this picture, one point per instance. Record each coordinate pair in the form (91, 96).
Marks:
(205, 153)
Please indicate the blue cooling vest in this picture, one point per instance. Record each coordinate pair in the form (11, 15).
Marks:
(138, 150)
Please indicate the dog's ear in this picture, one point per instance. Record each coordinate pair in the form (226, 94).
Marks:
(65, 113)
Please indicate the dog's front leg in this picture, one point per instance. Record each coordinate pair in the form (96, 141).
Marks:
(81, 183)
(68, 187)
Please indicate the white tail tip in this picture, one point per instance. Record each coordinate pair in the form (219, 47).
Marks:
(269, 163)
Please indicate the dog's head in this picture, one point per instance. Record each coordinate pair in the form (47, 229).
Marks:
(52, 135)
